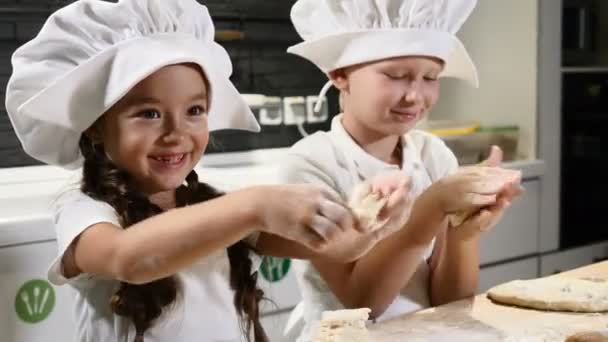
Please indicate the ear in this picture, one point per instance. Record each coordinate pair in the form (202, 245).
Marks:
(339, 79)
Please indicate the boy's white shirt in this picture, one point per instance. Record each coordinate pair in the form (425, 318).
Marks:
(204, 311)
(335, 161)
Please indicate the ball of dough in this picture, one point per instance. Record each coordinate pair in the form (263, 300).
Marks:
(366, 206)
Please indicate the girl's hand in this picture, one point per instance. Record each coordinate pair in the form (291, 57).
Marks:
(484, 219)
(394, 188)
(304, 213)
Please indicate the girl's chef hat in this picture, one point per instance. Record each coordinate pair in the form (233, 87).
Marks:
(89, 54)
(340, 33)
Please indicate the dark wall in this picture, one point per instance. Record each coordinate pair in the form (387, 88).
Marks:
(261, 64)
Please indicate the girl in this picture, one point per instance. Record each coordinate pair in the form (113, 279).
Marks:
(385, 58)
(130, 91)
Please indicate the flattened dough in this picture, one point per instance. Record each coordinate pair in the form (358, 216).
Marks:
(554, 294)
(342, 326)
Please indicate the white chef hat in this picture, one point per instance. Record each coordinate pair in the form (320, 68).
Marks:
(89, 54)
(341, 33)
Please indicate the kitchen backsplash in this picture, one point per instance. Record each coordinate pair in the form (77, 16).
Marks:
(261, 64)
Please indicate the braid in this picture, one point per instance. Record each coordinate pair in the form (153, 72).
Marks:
(143, 304)
(103, 181)
(247, 295)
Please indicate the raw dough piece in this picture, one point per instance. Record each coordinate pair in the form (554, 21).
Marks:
(589, 336)
(456, 219)
(342, 326)
(366, 206)
(554, 294)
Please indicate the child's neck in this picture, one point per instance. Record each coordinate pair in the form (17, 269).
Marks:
(165, 200)
(384, 147)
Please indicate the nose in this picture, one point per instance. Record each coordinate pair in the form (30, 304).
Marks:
(413, 92)
(173, 129)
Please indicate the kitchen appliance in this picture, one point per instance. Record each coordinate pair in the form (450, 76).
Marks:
(580, 27)
(584, 167)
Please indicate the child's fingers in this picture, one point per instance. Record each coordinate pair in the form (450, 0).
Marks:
(493, 214)
(397, 197)
(478, 200)
(495, 157)
(386, 184)
(513, 191)
(337, 214)
(397, 201)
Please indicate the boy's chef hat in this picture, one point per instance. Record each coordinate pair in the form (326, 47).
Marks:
(89, 54)
(341, 33)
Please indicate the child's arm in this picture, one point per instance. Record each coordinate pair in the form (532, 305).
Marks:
(162, 245)
(455, 260)
(359, 284)
(375, 279)
(393, 186)
(454, 268)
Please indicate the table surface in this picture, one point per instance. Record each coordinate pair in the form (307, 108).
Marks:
(479, 319)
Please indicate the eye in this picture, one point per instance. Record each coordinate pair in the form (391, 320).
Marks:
(394, 76)
(149, 114)
(197, 110)
(430, 78)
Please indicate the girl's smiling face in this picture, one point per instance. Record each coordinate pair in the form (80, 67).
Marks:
(158, 132)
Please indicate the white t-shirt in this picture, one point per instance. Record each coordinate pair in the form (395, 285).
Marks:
(334, 160)
(204, 311)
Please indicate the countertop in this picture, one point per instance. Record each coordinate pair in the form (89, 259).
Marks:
(478, 319)
(27, 193)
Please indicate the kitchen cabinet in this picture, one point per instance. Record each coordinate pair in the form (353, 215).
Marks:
(516, 235)
(572, 258)
(274, 324)
(277, 279)
(491, 276)
(27, 246)
(32, 309)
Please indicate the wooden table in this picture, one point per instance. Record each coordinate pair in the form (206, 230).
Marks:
(478, 319)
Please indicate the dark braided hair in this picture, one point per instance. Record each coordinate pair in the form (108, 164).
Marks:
(143, 304)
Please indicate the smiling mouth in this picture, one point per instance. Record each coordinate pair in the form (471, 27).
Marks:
(170, 160)
(404, 115)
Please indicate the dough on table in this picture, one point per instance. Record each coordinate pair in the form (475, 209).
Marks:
(554, 294)
(589, 336)
(342, 326)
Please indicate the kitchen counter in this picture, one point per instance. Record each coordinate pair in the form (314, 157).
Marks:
(478, 319)
(27, 193)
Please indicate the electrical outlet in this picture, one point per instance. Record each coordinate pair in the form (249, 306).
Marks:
(294, 110)
(316, 117)
(271, 113)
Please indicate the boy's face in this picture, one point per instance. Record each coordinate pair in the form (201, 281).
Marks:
(158, 131)
(390, 96)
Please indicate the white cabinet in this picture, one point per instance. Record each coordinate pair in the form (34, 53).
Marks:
(32, 309)
(274, 325)
(572, 258)
(276, 278)
(516, 235)
(494, 275)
